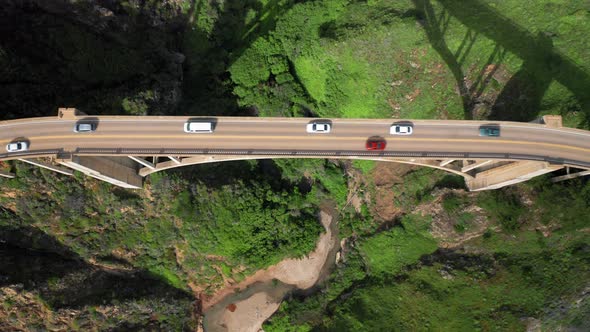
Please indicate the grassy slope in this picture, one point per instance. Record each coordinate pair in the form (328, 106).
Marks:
(410, 59)
(393, 278)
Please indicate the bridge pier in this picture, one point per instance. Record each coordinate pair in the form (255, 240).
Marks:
(119, 171)
(508, 174)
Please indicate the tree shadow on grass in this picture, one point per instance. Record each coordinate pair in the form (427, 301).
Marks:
(42, 264)
(120, 57)
(105, 58)
(208, 88)
(521, 97)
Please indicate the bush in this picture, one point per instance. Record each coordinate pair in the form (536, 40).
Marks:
(452, 203)
(504, 207)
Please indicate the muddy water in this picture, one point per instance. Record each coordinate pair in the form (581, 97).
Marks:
(246, 310)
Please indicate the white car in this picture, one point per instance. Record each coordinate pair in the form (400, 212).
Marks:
(319, 127)
(401, 129)
(17, 147)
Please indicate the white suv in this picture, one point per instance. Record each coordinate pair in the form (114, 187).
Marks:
(17, 147)
(319, 127)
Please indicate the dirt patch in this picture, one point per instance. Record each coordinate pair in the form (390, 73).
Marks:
(356, 182)
(443, 226)
(24, 309)
(13, 195)
(249, 314)
(385, 176)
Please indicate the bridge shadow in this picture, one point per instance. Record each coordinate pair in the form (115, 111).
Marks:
(41, 264)
(435, 26)
(521, 97)
(219, 174)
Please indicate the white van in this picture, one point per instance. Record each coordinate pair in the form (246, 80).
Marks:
(198, 127)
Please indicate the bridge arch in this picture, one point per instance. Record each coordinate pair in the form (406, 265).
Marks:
(204, 159)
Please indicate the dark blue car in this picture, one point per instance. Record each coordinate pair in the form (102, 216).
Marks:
(489, 131)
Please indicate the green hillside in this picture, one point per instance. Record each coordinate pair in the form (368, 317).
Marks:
(406, 262)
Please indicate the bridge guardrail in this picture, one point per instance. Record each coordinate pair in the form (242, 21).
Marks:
(319, 153)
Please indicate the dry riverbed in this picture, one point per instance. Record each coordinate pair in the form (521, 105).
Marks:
(246, 306)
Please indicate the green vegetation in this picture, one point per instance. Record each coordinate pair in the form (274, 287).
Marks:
(452, 203)
(504, 207)
(463, 299)
(319, 52)
(366, 166)
(186, 226)
(378, 257)
(389, 252)
(462, 223)
(514, 274)
(200, 226)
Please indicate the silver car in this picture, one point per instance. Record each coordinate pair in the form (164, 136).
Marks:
(84, 127)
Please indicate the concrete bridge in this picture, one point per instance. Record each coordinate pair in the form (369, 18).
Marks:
(124, 149)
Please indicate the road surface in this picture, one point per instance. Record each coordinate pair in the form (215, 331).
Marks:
(289, 134)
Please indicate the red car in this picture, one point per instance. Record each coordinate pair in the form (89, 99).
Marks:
(376, 145)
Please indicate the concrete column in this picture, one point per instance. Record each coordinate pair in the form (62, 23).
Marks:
(446, 162)
(553, 121)
(174, 159)
(48, 166)
(69, 113)
(475, 165)
(143, 162)
(570, 176)
(7, 174)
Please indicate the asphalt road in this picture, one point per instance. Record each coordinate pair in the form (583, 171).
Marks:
(289, 134)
